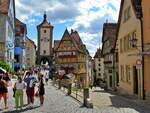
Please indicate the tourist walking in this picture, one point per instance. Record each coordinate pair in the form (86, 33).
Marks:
(41, 90)
(6, 80)
(30, 80)
(3, 90)
(46, 78)
(19, 86)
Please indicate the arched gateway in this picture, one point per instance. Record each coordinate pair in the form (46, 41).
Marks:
(45, 39)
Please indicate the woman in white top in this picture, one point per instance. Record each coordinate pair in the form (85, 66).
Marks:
(19, 86)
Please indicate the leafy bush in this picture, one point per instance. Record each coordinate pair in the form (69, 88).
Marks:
(6, 66)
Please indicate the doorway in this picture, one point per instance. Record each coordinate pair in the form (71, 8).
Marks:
(117, 79)
(135, 75)
(110, 79)
(44, 61)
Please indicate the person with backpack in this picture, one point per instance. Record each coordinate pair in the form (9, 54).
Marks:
(19, 86)
(30, 80)
(3, 91)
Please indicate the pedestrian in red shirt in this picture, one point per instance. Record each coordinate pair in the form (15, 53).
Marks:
(3, 91)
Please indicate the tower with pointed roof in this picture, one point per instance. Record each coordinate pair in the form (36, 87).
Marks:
(45, 39)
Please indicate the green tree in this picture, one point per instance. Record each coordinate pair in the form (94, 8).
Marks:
(6, 66)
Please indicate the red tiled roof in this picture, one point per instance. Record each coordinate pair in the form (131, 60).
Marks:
(45, 22)
(4, 6)
(31, 42)
(17, 21)
(56, 44)
(98, 53)
(109, 33)
(75, 40)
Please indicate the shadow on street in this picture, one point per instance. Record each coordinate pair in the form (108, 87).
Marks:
(21, 110)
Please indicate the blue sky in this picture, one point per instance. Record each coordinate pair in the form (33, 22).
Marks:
(85, 16)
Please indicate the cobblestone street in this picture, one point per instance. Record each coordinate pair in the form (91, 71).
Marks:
(114, 102)
(57, 102)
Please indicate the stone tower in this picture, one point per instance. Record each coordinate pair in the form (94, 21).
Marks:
(45, 39)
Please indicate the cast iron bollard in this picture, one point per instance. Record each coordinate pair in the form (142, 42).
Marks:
(69, 89)
(59, 84)
(86, 100)
(85, 96)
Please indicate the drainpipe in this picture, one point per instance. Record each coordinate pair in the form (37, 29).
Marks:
(142, 44)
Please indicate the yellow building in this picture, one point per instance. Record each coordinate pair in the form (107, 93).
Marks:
(30, 52)
(71, 55)
(130, 76)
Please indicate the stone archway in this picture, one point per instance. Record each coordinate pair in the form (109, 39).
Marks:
(44, 61)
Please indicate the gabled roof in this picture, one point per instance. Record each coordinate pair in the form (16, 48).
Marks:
(45, 23)
(18, 22)
(98, 53)
(107, 26)
(31, 42)
(66, 33)
(56, 44)
(76, 40)
(76, 37)
(136, 4)
(109, 29)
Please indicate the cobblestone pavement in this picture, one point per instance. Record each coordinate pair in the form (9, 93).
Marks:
(112, 102)
(57, 102)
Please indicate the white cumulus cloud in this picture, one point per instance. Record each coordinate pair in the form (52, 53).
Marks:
(85, 16)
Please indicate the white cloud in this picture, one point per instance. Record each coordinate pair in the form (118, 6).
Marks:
(90, 23)
(86, 16)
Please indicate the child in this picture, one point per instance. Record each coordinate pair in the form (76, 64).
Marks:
(19, 86)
